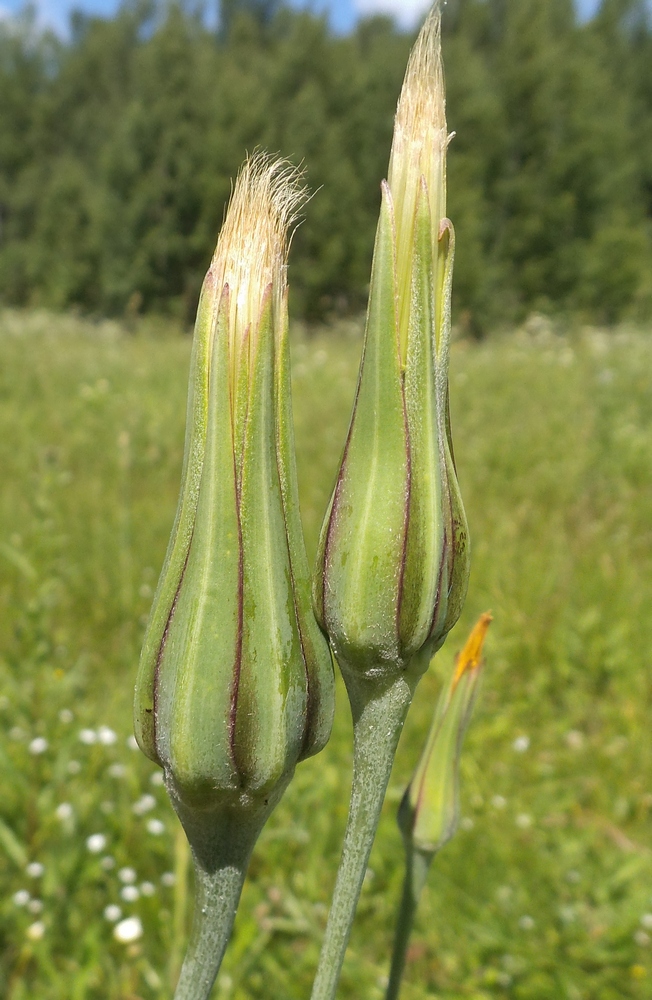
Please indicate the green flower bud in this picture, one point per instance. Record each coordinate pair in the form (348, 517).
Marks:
(429, 813)
(235, 684)
(393, 560)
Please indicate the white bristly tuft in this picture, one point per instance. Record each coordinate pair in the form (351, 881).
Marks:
(419, 145)
(252, 249)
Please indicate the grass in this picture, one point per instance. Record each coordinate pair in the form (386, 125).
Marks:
(546, 891)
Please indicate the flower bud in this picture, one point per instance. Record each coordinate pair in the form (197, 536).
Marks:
(393, 559)
(235, 684)
(429, 812)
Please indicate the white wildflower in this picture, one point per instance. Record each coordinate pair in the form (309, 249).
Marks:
(96, 843)
(128, 930)
(36, 931)
(144, 804)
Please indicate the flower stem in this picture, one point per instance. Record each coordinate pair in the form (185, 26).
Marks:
(179, 912)
(221, 849)
(379, 712)
(417, 864)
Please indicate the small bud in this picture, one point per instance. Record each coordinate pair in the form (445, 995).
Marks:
(235, 683)
(393, 560)
(429, 812)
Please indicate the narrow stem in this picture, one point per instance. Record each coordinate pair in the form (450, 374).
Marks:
(221, 849)
(179, 913)
(417, 864)
(378, 716)
(216, 900)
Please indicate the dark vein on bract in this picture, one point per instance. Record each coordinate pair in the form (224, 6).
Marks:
(237, 666)
(164, 639)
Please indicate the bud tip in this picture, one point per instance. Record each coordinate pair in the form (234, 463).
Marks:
(471, 656)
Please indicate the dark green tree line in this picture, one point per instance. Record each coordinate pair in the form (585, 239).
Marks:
(118, 145)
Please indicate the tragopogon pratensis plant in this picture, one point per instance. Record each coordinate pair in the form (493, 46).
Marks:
(235, 684)
(393, 560)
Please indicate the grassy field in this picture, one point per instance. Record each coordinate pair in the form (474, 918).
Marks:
(545, 893)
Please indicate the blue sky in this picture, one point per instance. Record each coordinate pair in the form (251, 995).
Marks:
(343, 13)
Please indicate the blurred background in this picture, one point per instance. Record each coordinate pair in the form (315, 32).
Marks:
(121, 126)
(120, 131)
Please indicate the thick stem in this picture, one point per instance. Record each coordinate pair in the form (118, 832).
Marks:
(378, 715)
(221, 847)
(417, 864)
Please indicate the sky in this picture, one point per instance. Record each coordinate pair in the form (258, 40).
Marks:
(342, 13)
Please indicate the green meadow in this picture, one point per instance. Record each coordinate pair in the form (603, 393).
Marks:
(546, 891)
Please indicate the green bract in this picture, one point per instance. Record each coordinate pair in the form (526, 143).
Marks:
(393, 559)
(235, 683)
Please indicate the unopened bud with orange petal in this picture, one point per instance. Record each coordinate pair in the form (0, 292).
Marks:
(429, 812)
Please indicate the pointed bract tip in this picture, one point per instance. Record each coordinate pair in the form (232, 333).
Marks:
(423, 87)
(471, 656)
(421, 111)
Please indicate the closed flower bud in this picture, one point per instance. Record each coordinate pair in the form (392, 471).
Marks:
(429, 812)
(235, 682)
(393, 559)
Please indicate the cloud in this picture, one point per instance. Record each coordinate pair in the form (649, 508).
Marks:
(54, 14)
(406, 12)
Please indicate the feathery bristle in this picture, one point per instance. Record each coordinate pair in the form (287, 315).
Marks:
(422, 105)
(419, 150)
(253, 244)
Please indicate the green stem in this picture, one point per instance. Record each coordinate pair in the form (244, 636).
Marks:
(221, 848)
(417, 864)
(379, 712)
(179, 912)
